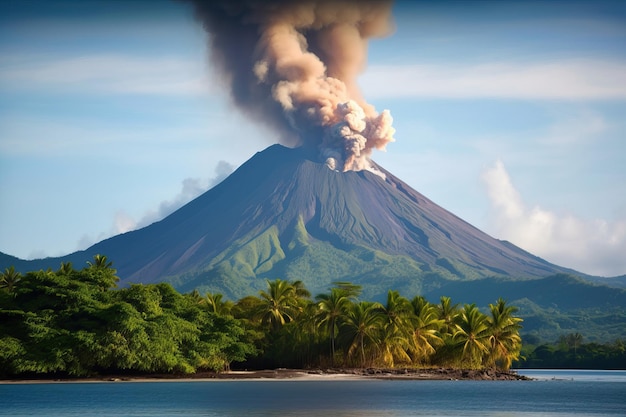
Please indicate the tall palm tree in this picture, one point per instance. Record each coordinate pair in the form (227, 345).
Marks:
(299, 343)
(331, 308)
(9, 279)
(505, 343)
(362, 330)
(398, 329)
(279, 304)
(101, 272)
(472, 336)
(426, 326)
(447, 312)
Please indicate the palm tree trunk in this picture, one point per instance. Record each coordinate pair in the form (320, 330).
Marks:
(362, 352)
(332, 342)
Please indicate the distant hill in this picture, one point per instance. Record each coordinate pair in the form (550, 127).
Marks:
(284, 214)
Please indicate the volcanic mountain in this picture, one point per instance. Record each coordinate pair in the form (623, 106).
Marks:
(284, 214)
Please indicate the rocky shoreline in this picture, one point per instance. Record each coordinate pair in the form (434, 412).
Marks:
(300, 374)
(382, 373)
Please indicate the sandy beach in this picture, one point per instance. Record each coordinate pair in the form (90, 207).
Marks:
(296, 375)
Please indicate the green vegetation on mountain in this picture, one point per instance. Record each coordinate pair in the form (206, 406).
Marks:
(75, 322)
(572, 352)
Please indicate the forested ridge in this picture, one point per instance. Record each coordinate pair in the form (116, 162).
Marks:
(78, 323)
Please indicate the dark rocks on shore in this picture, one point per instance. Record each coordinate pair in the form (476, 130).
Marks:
(283, 373)
(432, 374)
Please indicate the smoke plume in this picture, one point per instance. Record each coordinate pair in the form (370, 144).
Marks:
(293, 65)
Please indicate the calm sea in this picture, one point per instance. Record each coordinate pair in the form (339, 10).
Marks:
(554, 393)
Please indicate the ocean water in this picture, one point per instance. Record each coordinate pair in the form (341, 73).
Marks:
(553, 393)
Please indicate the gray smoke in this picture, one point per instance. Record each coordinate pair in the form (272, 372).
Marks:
(293, 65)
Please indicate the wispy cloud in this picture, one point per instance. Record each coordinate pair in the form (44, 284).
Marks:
(190, 189)
(104, 74)
(578, 127)
(571, 79)
(592, 246)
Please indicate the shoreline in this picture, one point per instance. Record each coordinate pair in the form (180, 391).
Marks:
(426, 374)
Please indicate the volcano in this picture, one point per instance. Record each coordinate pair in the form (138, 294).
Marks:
(285, 214)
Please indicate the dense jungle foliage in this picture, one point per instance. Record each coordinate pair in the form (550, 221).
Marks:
(570, 352)
(76, 322)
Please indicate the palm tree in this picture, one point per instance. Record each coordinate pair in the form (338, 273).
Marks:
(101, 272)
(279, 304)
(447, 313)
(100, 262)
(505, 343)
(398, 329)
(298, 344)
(330, 309)
(9, 279)
(196, 297)
(362, 329)
(426, 326)
(472, 336)
(66, 269)
(301, 291)
(216, 305)
(573, 340)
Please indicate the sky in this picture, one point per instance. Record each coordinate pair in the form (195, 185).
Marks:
(510, 114)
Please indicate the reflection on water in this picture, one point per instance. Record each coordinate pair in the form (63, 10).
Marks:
(554, 393)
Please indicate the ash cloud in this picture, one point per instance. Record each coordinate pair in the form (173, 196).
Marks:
(293, 65)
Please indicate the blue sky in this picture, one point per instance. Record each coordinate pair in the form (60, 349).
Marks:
(512, 115)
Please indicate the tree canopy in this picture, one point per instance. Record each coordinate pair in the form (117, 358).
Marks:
(77, 322)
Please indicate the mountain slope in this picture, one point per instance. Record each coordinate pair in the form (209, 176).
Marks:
(284, 214)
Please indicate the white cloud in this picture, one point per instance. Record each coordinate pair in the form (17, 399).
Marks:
(555, 80)
(105, 74)
(594, 246)
(191, 188)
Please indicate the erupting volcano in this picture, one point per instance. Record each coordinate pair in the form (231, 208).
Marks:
(293, 65)
(312, 211)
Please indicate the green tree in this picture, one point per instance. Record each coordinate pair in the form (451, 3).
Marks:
(362, 331)
(448, 313)
(331, 308)
(398, 328)
(472, 336)
(216, 304)
(573, 341)
(101, 273)
(9, 279)
(426, 325)
(505, 343)
(279, 304)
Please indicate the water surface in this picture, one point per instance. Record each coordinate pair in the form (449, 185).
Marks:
(554, 393)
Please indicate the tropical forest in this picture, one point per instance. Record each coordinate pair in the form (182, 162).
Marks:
(71, 322)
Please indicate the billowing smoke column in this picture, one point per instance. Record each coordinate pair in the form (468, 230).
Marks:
(293, 64)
